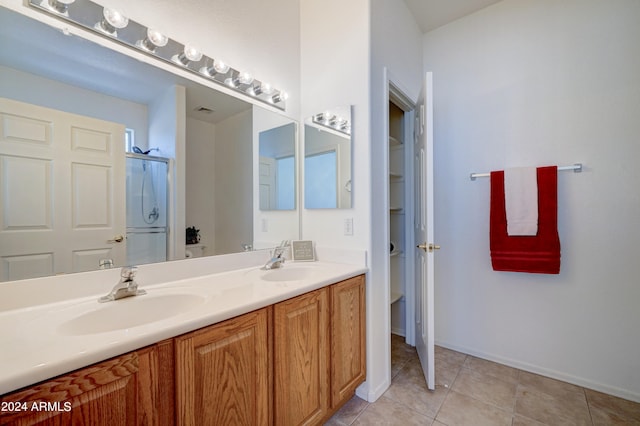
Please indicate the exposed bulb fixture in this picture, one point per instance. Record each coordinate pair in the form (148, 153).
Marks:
(245, 78)
(333, 121)
(153, 40)
(111, 22)
(58, 6)
(259, 88)
(279, 97)
(220, 66)
(216, 67)
(190, 54)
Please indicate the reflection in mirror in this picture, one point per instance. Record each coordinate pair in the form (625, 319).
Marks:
(277, 168)
(327, 160)
(203, 138)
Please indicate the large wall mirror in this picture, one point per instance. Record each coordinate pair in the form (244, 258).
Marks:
(148, 155)
(327, 159)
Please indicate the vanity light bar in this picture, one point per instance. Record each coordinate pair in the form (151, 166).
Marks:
(333, 122)
(111, 24)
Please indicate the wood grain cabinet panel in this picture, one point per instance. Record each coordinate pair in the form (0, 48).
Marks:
(127, 390)
(223, 373)
(301, 336)
(348, 357)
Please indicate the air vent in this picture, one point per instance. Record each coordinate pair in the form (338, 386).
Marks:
(204, 110)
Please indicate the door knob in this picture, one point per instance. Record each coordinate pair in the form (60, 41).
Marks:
(428, 247)
(117, 239)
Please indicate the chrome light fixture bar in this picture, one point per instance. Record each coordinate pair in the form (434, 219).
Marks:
(332, 121)
(112, 24)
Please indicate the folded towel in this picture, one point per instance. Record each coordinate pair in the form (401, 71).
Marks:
(521, 200)
(535, 254)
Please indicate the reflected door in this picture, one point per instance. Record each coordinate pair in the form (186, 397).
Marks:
(62, 180)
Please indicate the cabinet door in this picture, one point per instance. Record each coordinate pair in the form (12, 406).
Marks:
(348, 359)
(302, 359)
(120, 391)
(223, 373)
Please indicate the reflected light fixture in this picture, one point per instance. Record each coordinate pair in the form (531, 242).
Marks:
(190, 54)
(58, 6)
(279, 97)
(153, 40)
(111, 22)
(332, 121)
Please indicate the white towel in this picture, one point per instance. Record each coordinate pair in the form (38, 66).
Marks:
(521, 200)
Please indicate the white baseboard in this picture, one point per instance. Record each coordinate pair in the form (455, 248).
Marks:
(371, 395)
(398, 331)
(579, 381)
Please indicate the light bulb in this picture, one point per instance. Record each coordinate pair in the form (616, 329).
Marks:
(115, 18)
(267, 89)
(280, 97)
(245, 78)
(220, 67)
(59, 6)
(157, 38)
(153, 40)
(192, 53)
(112, 21)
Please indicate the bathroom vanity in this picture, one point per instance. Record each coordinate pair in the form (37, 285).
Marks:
(293, 360)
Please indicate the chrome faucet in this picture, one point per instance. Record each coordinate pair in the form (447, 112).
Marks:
(127, 286)
(277, 256)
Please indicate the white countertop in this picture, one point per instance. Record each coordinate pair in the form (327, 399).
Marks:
(38, 342)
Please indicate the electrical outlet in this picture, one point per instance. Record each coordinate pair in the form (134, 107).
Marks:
(348, 226)
(264, 224)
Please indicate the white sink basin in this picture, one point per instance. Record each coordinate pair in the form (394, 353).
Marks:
(130, 312)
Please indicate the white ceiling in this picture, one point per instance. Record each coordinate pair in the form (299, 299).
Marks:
(431, 14)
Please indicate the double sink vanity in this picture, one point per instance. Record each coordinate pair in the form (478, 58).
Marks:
(236, 345)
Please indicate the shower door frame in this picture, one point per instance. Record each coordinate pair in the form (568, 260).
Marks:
(167, 227)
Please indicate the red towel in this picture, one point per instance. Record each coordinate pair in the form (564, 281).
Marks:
(537, 254)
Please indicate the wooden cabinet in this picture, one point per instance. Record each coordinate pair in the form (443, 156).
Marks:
(292, 363)
(301, 353)
(319, 351)
(223, 373)
(348, 356)
(132, 389)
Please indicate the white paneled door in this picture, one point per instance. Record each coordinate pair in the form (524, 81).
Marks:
(425, 277)
(62, 189)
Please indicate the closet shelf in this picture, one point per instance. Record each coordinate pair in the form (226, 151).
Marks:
(395, 175)
(395, 253)
(395, 297)
(393, 141)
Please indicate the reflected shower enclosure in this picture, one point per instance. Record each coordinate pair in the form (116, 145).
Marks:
(147, 196)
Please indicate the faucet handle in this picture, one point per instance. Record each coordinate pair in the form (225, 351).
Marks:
(128, 273)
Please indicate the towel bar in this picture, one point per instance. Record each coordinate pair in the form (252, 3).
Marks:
(577, 168)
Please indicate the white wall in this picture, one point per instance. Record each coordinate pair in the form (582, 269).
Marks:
(199, 201)
(251, 35)
(335, 54)
(33, 89)
(537, 82)
(232, 183)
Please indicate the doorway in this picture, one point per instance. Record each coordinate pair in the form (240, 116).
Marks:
(401, 113)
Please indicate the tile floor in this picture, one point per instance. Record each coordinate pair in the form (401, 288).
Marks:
(473, 391)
